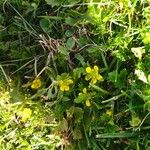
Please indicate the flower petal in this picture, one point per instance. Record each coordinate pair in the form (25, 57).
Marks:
(88, 70)
(69, 81)
(36, 84)
(66, 88)
(33, 86)
(60, 82)
(62, 88)
(109, 112)
(84, 90)
(88, 103)
(94, 80)
(96, 68)
(99, 77)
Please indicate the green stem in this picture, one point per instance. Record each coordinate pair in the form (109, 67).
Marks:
(99, 89)
(116, 72)
(7, 79)
(104, 61)
(129, 17)
(115, 135)
(114, 98)
(87, 139)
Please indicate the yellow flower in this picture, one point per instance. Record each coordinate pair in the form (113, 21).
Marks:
(85, 91)
(88, 103)
(25, 114)
(64, 84)
(36, 83)
(135, 121)
(88, 70)
(92, 73)
(109, 112)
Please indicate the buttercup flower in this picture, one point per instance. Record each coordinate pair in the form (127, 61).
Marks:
(36, 83)
(88, 103)
(109, 112)
(25, 114)
(92, 73)
(86, 97)
(64, 84)
(84, 91)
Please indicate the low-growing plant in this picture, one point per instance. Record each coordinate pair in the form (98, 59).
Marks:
(77, 74)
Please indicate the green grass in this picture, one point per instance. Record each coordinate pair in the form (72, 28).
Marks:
(74, 75)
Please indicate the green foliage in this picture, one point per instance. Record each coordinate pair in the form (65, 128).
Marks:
(118, 79)
(61, 2)
(74, 74)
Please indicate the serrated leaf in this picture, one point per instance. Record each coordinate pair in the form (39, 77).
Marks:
(63, 50)
(63, 125)
(123, 74)
(39, 93)
(77, 135)
(112, 76)
(122, 78)
(111, 127)
(77, 73)
(71, 21)
(81, 98)
(78, 114)
(80, 58)
(118, 78)
(70, 112)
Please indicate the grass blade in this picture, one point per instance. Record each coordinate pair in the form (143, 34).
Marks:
(116, 135)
